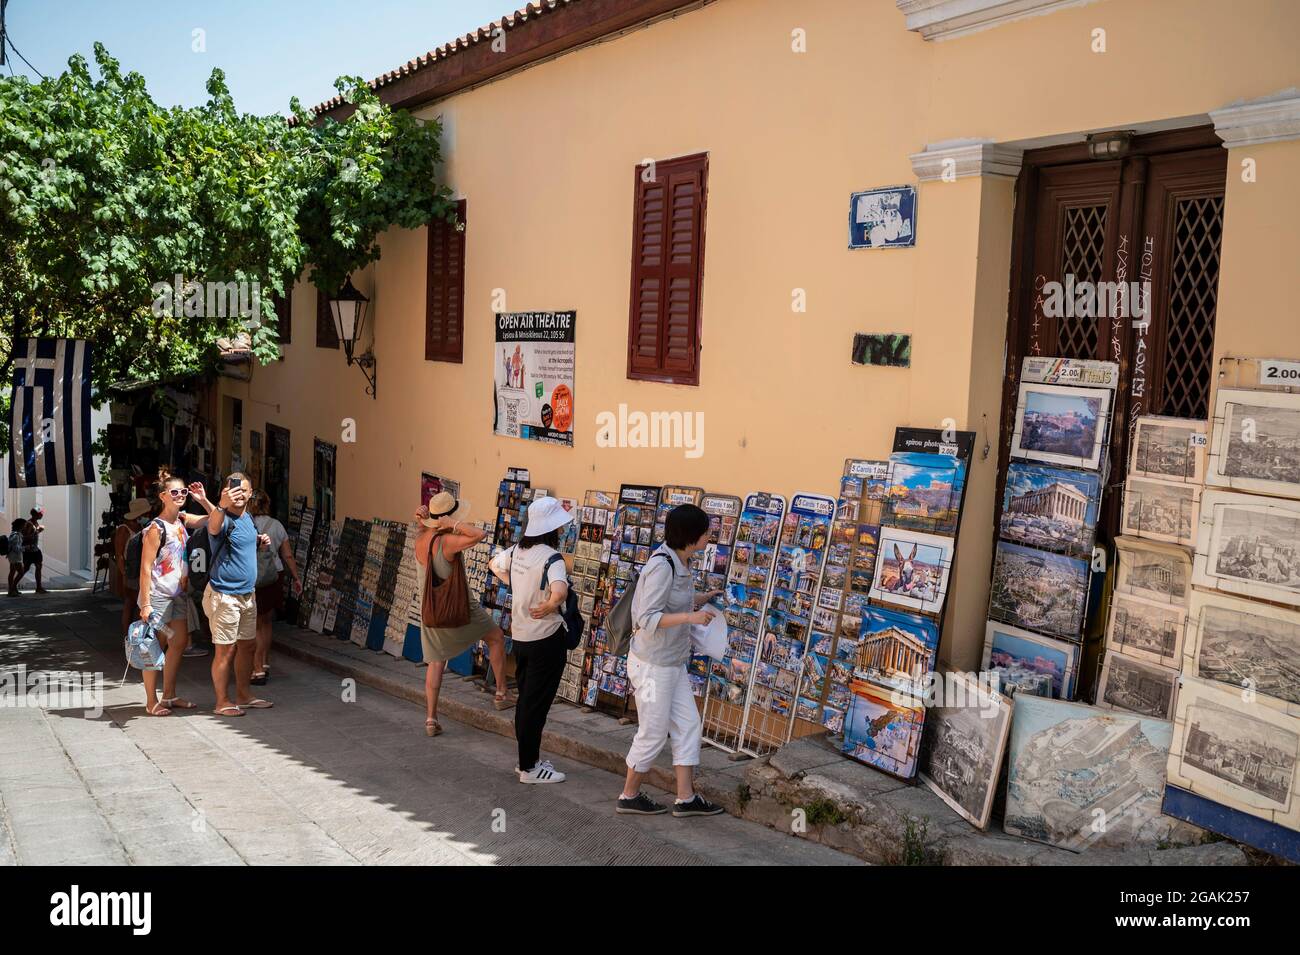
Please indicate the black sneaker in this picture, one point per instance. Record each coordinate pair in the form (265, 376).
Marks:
(697, 806)
(641, 805)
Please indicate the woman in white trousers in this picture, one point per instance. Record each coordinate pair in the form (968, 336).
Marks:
(664, 608)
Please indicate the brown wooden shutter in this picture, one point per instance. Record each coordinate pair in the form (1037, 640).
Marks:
(668, 271)
(326, 337)
(283, 317)
(444, 322)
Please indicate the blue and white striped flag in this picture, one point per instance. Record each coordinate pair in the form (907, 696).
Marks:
(49, 424)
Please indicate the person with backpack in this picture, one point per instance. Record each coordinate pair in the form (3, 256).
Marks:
(272, 563)
(539, 587)
(664, 607)
(32, 556)
(14, 551)
(452, 622)
(124, 585)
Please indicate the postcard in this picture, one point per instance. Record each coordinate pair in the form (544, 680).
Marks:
(1249, 545)
(924, 492)
(1039, 590)
(1168, 449)
(1051, 508)
(895, 649)
(962, 748)
(1156, 571)
(912, 569)
(1027, 662)
(1160, 510)
(881, 732)
(1059, 424)
(1138, 687)
(1245, 645)
(1256, 442)
(1147, 629)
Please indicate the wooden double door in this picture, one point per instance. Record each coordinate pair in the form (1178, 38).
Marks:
(1153, 216)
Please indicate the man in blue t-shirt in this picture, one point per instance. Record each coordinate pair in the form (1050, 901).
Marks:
(229, 601)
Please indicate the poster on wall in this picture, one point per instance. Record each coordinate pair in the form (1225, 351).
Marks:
(533, 363)
(883, 218)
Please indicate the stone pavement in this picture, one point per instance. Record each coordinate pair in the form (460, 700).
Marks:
(313, 781)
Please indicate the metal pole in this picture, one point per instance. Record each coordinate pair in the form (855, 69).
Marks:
(4, 39)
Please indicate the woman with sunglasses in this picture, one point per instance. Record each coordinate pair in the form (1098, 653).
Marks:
(163, 597)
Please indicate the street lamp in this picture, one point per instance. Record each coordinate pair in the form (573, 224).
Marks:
(348, 309)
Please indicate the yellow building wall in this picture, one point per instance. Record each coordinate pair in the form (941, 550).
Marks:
(546, 159)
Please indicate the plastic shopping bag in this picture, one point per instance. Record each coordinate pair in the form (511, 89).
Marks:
(711, 639)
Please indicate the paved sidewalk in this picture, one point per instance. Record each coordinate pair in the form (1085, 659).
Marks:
(315, 780)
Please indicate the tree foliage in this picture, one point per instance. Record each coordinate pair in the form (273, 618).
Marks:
(105, 194)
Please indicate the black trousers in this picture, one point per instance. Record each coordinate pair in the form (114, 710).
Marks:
(539, 664)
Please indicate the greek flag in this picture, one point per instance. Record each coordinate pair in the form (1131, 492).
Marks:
(49, 425)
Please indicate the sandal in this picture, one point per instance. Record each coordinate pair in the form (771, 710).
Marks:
(257, 705)
(158, 709)
(259, 678)
(504, 701)
(432, 728)
(176, 703)
(229, 711)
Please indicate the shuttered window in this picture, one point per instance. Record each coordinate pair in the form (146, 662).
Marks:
(668, 271)
(444, 322)
(283, 317)
(326, 337)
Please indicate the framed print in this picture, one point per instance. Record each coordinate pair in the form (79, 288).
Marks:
(925, 492)
(1168, 449)
(1256, 442)
(1245, 644)
(882, 728)
(1038, 590)
(1249, 545)
(1029, 663)
(963, 745)
(1156, 571)
(1058, 424)
(1160, 510)
(1240, 754)
(883, 218)
(1051, 508)
(1138, 687)
(912, 570)
(1067, 762)
(1147, 629)
(895, 649)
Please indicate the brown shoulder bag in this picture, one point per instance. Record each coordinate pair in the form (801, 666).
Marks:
(446, 602)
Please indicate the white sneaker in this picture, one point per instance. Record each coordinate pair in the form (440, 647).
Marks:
(542, 773)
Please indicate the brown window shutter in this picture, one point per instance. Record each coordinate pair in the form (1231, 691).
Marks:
(668, 271)
(283, 317)
(325, 334)
(444, 322)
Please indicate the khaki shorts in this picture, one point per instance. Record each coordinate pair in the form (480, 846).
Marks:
(231, 617)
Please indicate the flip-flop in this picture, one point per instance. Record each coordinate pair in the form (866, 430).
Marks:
(229, 711)
(504, 701)
(176, 703)
(258, 704)
(158, 710)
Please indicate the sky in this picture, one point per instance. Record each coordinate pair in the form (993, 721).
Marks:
(270, 50)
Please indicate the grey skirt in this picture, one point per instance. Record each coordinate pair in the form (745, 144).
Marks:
(444, 643)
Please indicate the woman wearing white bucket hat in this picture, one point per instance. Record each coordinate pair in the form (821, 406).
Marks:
(442, 541)
(538, 632)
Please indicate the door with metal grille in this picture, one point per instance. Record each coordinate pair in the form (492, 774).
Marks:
(1150, 225)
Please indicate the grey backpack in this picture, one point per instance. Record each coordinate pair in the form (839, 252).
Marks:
(618, 622)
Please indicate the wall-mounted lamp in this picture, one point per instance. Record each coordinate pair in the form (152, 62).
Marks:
(349, 311)
(1109, 145)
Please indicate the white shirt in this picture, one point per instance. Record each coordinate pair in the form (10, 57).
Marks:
(522, 568)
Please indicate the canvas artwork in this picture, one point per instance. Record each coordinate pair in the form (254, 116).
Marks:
(1038, 590)
(881, 732)
(1256, 442)
(1058, 424)
(1169, 449)
(1146, 629)
(895, 649)
(1249, 545)
(1240, 754)
(924, 492)
(1029, 663)
(1160, 510)
(1149, 569)
(1050, 508)
(962, 748)
(912, 570)
(1245, 644)
(1071, 765)
(1138, 687)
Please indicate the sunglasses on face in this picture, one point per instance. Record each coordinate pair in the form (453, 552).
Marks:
(178, 493)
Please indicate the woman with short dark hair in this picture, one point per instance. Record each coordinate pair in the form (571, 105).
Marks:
(664, 607)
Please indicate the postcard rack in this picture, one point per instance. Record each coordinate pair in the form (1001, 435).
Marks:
(595, 517)
(711, 566)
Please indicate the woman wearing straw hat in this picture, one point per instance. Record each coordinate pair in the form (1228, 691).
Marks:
(442, 540)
